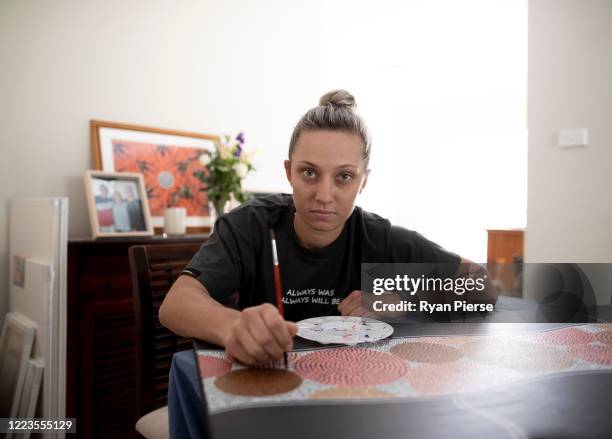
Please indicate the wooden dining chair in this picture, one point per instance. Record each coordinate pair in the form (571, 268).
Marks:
(154, 269)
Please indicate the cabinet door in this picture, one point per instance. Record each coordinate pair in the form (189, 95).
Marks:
(108, 353)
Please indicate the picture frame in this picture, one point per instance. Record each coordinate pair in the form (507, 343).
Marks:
(166, 158)
(29, 396)
(16, 344)
(31, 388)
(117, 204)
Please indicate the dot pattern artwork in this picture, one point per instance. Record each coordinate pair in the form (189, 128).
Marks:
(516, 355)
(592, 354)
(604, 337)
(566, 336)
(213, 367)
(350, 393)
(426, 352)
(406, 367)
(350, 367)
(450, 378)
(258, 382)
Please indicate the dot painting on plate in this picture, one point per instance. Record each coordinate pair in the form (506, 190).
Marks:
(346, 330)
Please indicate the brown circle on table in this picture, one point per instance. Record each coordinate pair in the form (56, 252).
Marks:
(604, 336)
(348, 367)
(213, 366)
(518, 355)
(350, 393)
(258, 382)
(426, 352)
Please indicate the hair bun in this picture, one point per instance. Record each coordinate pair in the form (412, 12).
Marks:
(338, 98)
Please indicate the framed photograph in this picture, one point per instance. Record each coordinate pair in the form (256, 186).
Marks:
(15, 348)
(117, 204)
(167, 160)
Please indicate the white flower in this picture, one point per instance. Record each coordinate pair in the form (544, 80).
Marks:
(204, 159)
(241, 169)
(224, 152)
(247, 157)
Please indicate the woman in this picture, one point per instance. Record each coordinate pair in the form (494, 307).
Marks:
(120, 213)
(104, 206)
(322, 239)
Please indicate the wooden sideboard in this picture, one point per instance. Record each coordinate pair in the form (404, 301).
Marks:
(504, 251)
(101, 368)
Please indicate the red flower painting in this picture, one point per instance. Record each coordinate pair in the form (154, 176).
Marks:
(168, 174)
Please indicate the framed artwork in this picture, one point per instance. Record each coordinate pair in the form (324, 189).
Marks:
(167, 159)
(29, 394)
(15, 348)
(117, 203)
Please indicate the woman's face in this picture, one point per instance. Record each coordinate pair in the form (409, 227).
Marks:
(326, 172)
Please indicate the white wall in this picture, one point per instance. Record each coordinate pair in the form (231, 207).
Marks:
(446, 107)
(570, 86)
(569, 215)
(205, 66)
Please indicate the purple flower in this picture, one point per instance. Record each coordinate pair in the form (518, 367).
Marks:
(238, 150)
(240, 138)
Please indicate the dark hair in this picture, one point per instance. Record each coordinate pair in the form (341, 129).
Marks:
(336, 112)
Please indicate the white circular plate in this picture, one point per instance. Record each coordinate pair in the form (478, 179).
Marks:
(343, 329)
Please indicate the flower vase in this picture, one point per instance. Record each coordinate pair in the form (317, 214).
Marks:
(217, 209)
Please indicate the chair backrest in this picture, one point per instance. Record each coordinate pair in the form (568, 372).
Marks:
(154, 269)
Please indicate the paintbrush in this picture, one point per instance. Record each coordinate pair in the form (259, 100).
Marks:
(277, 285)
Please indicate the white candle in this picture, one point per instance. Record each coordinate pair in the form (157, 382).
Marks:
(174, 220)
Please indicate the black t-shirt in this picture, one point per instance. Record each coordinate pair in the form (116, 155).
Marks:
(238, 257)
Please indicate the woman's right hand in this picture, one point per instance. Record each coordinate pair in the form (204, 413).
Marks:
(259, 335)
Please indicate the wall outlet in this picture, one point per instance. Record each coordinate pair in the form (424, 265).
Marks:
(573, 138)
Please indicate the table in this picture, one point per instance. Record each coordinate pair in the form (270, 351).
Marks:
(572, 403)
